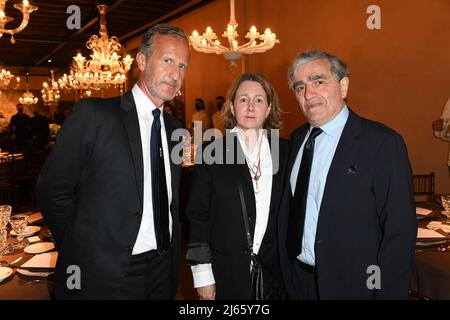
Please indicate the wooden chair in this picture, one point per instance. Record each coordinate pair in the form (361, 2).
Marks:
(423, 186)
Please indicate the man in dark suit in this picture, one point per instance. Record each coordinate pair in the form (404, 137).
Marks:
(19, 127)
(40, 130)
(347, 226)
(98, 188)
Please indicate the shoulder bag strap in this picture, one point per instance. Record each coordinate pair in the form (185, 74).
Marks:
(244, 213)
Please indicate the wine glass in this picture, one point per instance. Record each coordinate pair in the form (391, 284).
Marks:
(5, 213)
(3, 244)
(445, 199)
(18, 223)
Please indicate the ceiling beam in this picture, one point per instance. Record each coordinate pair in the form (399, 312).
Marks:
(37, 40)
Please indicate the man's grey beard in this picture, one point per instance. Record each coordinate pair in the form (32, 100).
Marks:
(157, 94)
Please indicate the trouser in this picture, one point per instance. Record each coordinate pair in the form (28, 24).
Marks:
(148, 277)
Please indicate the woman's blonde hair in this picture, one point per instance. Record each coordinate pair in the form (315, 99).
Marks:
(273, 121)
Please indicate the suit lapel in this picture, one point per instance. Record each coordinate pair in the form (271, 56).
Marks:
(277, 189)
(296, 143)
(344, 159)
(131, 123)
(242, 170)
(279, 155)
(174, 168)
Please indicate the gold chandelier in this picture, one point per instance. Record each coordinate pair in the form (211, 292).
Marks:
(106, 67)
(70, 82)
(28, 97)
(257, 42)
(5, 79)
(50, 93)
(26, 10)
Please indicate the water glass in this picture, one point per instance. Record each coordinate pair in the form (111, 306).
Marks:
(3, 244)
(445, 199)
(5, 213)
(18, 223)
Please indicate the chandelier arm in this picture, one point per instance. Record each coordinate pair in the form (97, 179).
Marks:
(258, 48)
(26, 11)
(207, 49)
(248, 44)
(217, 45)
(23, 24)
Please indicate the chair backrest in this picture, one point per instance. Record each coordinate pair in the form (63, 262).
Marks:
(423, 186)
(6, 169)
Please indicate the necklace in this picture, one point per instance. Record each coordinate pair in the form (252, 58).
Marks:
(255, 173)
(255, 168)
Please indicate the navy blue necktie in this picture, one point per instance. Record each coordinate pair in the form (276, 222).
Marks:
(298, 208)
(159, 186)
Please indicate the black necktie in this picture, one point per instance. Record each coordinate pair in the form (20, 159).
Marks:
(159, 186)
(298, 208)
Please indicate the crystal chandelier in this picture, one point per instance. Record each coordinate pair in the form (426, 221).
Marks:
(28, 97)
(257, 42)
(5, 79)
(26, 10)
(69, 82)
(106, 67)
(50, 93)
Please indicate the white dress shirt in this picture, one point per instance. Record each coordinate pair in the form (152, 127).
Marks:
(324, 149)
(146, 239)
(202, 273)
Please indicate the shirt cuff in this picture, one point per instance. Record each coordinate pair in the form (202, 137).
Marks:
(202, 275)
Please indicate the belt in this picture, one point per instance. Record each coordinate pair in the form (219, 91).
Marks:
(306, 267)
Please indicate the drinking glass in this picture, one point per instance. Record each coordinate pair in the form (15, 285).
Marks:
(5, 213)
(3, 244)
(18, 223)
(445, 199)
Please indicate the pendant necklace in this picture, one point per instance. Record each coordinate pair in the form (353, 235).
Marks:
(256, 174)
(255, 168)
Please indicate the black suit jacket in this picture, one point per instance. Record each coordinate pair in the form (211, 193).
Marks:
(215, 214)
(90, 191)
(367, 215)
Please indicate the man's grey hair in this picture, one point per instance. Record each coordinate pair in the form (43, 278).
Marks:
(163, 29)
(338, 67)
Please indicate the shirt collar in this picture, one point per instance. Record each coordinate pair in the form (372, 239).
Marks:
(336, 125)
(144, 105)
(234, 130)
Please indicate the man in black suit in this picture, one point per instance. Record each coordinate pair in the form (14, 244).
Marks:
(20, 130)
(347, 226)
(97, 188)
(40, 130)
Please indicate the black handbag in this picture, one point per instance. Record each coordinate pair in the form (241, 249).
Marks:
(257, 279)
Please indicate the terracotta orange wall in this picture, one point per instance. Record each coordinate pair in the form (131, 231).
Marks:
(399, 74)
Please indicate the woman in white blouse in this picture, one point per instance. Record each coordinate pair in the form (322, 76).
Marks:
(244, 170)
